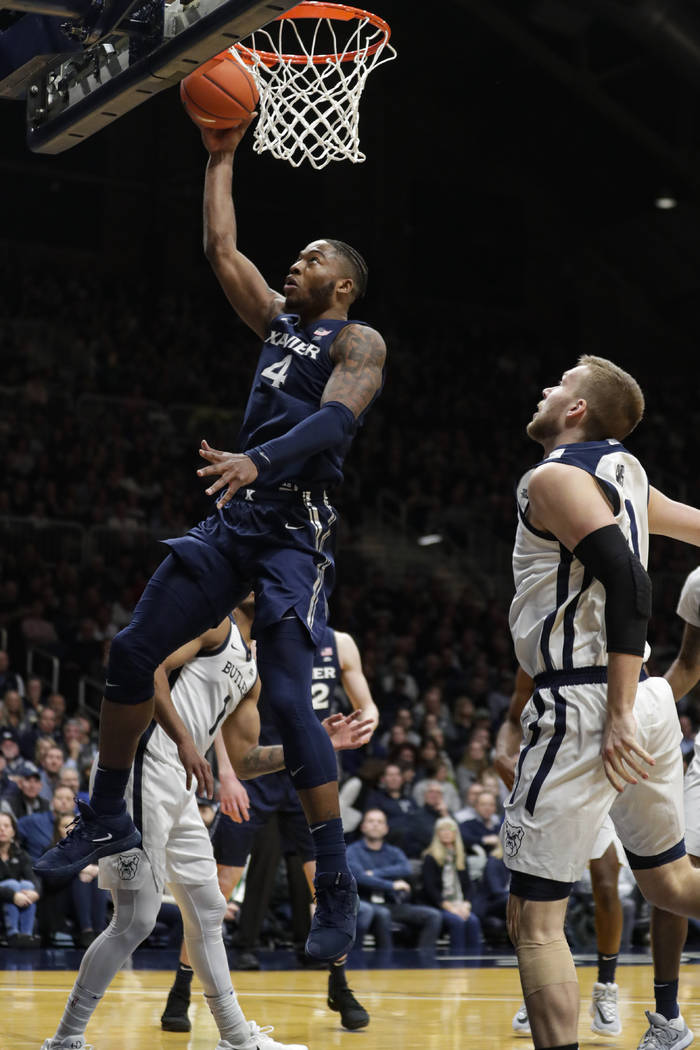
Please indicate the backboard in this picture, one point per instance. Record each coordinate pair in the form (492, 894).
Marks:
(81, 64)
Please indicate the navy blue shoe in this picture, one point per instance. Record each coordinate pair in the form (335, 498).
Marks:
(332, 932)
(91, 836)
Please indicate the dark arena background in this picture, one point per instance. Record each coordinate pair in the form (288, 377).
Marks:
(531, 193)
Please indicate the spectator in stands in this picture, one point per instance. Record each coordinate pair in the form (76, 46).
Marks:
(45, 725)
(463, 722)
(19, 888)
(468, 810)
(12, 713)
(77, 743)
(403, 718)
(69, 777)
(395, 802)
(50, 766)
(9, 678)
(473, 762)
(57, 703)
(433, 703)
(9, 745)
(398, 684)
(383, 873)
(483, 829)
(447, 886)
(33, 699)
(491, 899)
(83, 902)
(36, 830)
(38, 632)
(28, 799)
(449, 791)
(422, 826)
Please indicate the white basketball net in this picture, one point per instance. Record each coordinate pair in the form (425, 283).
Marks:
(310, 110)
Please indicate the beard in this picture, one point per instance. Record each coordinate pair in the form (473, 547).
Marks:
(540, 428)
(313, 301)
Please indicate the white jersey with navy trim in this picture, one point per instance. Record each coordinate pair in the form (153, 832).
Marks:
(205, 691)
(557, 615)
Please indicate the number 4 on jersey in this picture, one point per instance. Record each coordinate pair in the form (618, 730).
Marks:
(277, 373)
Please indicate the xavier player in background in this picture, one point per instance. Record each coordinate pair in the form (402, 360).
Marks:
(213, 689)
(272, 531)
(336, 661)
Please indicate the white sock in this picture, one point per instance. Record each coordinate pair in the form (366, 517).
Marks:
(230, 1020)
(80, 1007)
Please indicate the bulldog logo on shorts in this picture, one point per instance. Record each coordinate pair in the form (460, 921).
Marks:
(512, 838)
(127, 866)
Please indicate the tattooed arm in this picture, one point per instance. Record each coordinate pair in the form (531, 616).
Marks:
(358, 355)
(250, 759)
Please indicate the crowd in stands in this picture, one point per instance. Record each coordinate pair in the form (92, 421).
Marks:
(97, 434)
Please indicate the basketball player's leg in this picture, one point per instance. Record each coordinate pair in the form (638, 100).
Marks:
(230, 843)
(669, 932)
(173, 610)
(340, 996)
(175, 1015)
(605, 872)
(285, 658)
(546, 966)
(668, 936)
(135, 913)
(203, 908)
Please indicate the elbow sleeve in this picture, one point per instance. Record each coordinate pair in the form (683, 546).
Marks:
(606, 555)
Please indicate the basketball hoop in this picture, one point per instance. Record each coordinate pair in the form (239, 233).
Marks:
(310, 66)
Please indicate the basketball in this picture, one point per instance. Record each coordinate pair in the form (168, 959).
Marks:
(220, 93)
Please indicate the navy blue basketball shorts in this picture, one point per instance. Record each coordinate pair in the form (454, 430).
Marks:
(279, 544)
(270, 794)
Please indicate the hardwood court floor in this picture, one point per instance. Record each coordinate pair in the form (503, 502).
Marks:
(456, 1009)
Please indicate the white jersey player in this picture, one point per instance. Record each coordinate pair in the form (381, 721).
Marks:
(605, 861)
(213, 688)
(669, 932)
(597, 738)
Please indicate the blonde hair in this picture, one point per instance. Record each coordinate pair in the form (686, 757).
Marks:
(614, 399)
(438, 851)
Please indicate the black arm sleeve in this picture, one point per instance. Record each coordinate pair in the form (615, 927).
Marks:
(627, 588)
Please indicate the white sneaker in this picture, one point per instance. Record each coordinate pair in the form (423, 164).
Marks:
(262, 1040)
(521, 1022)
(606, 1018)
(69, 1042)
(665, 1035)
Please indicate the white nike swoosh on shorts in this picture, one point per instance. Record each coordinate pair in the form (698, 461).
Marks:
(292, 528)
(105, 838)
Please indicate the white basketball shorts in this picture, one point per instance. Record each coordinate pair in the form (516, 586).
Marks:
(175, 845)
(561, 794)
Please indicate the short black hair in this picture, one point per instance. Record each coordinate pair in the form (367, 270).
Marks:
(357, 263)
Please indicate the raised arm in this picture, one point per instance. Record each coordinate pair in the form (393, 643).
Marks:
(667, 517)
(243, 284)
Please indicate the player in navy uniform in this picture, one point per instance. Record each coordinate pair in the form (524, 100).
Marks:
(336, 662)
(272, 530)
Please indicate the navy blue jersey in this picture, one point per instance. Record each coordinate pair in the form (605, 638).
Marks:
(326, 675)
(293, 369)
